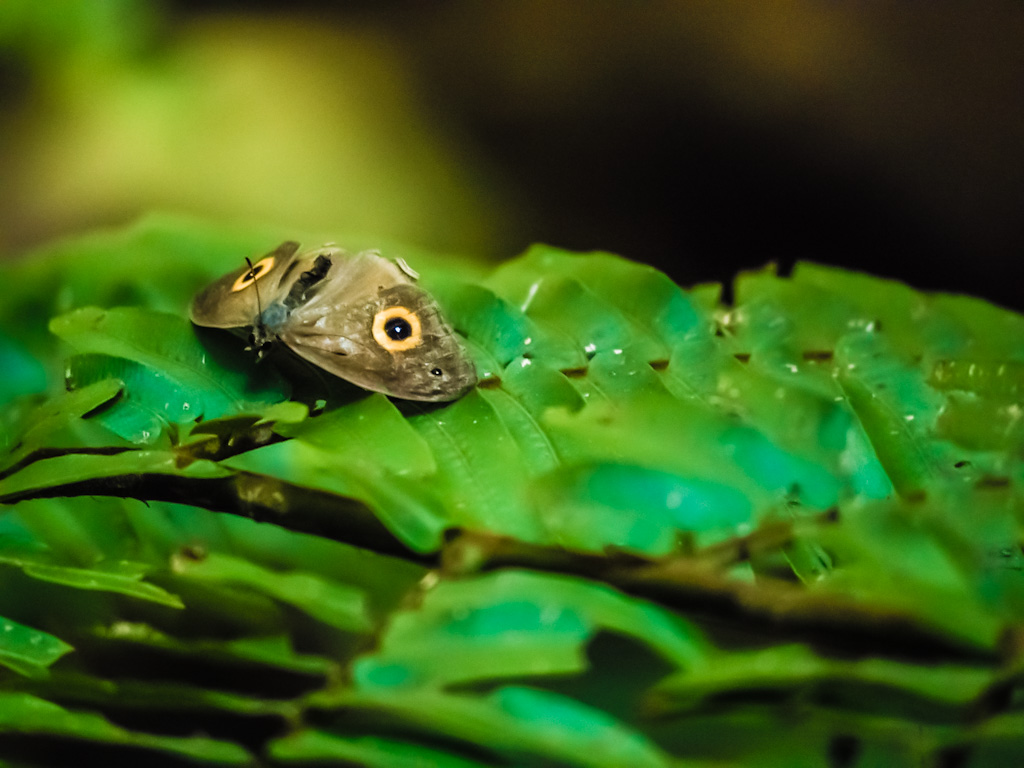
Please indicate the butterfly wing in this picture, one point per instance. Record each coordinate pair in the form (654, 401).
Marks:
(234, 300)
(369, 323)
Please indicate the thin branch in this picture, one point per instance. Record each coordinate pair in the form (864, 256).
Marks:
(696, 584)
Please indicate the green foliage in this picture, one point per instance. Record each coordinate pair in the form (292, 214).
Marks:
(661, 531)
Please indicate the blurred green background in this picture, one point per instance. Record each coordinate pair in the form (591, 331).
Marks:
(700, 136)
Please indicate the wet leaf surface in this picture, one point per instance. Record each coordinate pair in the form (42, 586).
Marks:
(661, 531)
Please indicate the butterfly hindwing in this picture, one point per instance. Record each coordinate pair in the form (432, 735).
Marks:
(393, 340)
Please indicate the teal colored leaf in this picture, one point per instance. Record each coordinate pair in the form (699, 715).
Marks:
(660, 433)
(776, 470)
(584, 735)
(894, 407)
(514, 623)
(638, 508)
(515, 724)
(23, 373)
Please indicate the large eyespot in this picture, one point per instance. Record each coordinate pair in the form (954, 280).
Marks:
(397, 329)
(254, 273)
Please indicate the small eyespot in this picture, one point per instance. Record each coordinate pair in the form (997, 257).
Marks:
(436, 371)
(254, 273)
(397, 329)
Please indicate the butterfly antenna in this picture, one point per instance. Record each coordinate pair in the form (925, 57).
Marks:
(259, 334)
(255, 285)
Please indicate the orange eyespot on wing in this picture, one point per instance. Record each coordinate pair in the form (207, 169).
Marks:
(397, 329)
(254, 273)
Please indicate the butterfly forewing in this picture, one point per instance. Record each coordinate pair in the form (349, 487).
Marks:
(234, 301)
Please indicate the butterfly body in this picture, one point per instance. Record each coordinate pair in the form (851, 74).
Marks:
(360, 317)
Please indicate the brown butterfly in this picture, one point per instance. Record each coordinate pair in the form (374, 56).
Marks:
(360, 317)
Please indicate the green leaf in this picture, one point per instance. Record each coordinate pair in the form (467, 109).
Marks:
(482, 471)
(505, 332)
(128, 582)
(149, 402)
(51, 424)
(70, 469)
(569, 307)
(336, 604)
(158, 697)
(653, 301)
(273, 652)
(410, 509)
(371, 434)
(216, 381)
(311, 745)
(35, 718)
(888, 559)
(903, 689)
(28, 651)
(617, 411)
(895, 408)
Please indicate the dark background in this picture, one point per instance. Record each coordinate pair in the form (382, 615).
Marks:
(703, 137)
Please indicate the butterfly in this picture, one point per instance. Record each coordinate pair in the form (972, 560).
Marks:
(360, 317)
